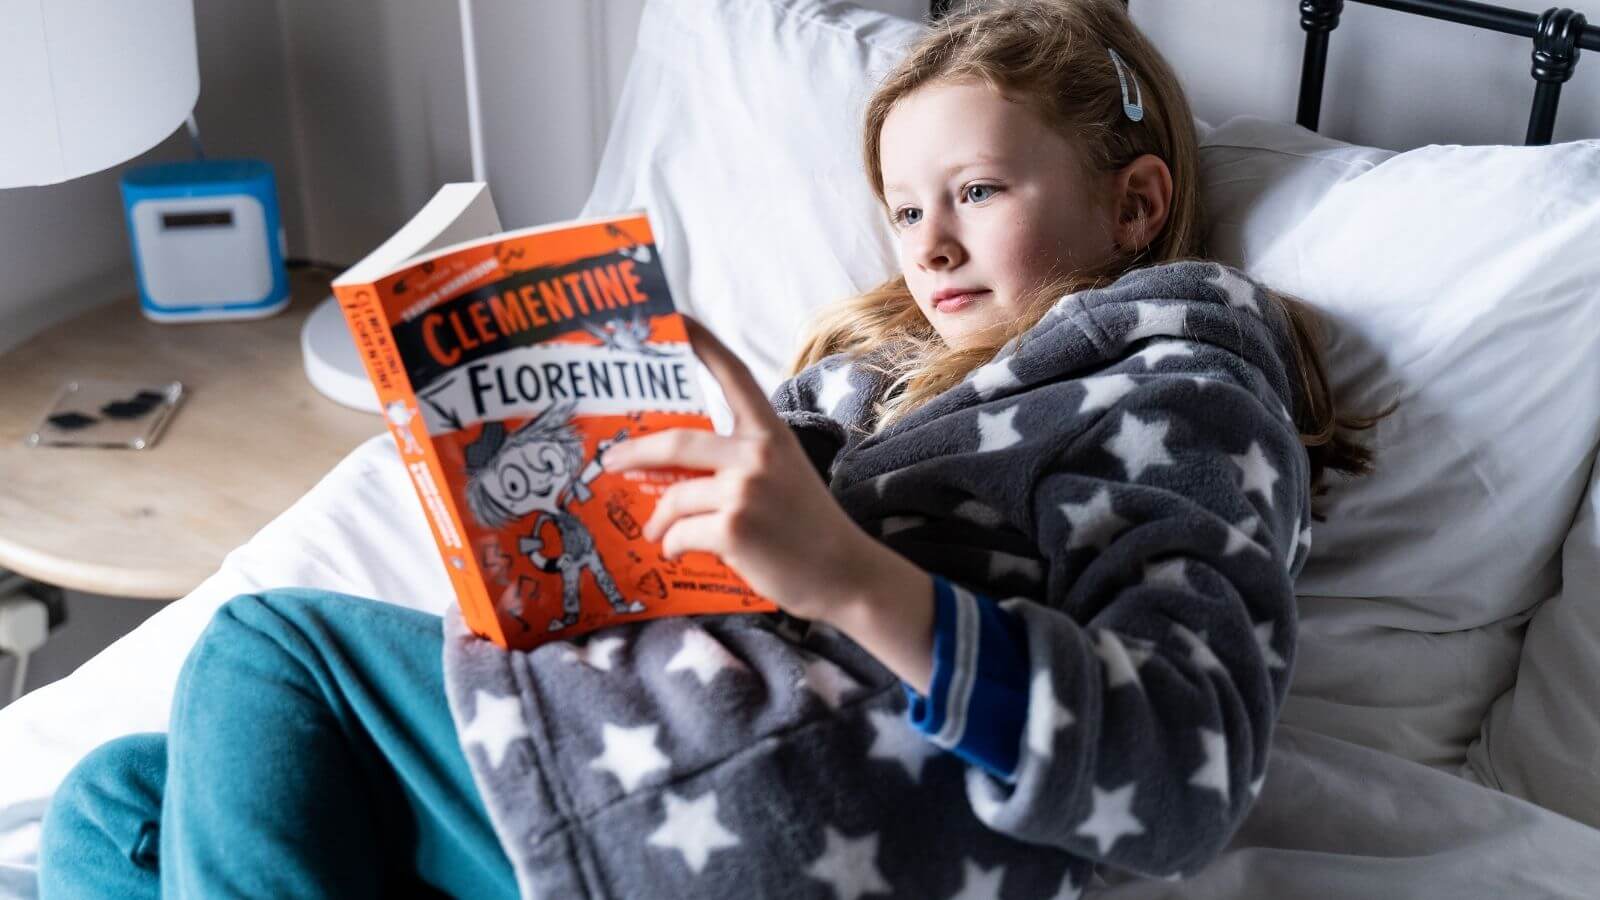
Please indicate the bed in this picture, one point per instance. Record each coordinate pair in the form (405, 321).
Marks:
(1441, 738)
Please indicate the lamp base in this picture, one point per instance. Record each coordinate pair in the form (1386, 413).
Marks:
(332, 364)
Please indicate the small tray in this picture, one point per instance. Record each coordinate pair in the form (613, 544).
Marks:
(112, 414)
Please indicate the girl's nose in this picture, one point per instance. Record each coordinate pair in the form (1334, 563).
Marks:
(939, 249)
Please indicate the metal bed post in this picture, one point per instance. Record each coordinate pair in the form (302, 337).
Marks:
(1318, 18)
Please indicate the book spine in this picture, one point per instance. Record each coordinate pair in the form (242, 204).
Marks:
(370, 328)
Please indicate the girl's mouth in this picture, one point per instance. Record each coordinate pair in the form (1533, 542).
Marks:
(959, 302)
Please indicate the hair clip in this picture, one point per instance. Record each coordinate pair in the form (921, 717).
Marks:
(1134, 110)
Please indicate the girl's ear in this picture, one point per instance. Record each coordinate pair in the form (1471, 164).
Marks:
(1143, 192)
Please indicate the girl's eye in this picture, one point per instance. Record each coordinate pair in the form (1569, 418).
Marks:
(973, 192)
(907, 215)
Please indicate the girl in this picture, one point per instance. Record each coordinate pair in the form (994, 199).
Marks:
(1039, 605)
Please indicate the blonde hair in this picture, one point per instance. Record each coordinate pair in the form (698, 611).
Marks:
(1051, 56)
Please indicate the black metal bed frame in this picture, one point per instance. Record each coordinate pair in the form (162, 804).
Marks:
(1558, 35)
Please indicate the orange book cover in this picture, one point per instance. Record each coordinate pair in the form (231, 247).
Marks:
(506, 364)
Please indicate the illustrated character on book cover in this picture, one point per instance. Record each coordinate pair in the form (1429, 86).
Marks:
(539, 470)
(400, 414)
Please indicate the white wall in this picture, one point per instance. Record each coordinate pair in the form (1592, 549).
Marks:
(380, 114)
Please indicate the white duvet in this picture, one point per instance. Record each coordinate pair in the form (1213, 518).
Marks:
(1334, 819)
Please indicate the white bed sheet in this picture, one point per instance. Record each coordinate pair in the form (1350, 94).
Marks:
(1334, 819)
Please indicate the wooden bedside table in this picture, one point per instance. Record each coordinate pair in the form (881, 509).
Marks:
(250, 437)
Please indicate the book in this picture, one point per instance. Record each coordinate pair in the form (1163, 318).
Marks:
(506, 363)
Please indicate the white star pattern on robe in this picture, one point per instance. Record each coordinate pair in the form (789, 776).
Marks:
(1046, 715)
(1062, 305)
(826, 680)
(1112, 818)
(1069, 890)
(982, 795)
(849, 866)
(1139, 649)
(1264, 632)
(1157, 319)
(1240, 293)
(1002, 564)
(1093, 523)
(703, 655)
(1255, 786)
(1242, 537)
(834, 389)
(691, 828)
(1259, 475)
(1160, 350)
(599, 653)
(978, 883)
(993, 378)
(1213, 773)
(881, 483)
(630, 753)
(892, 524)
(977, 513)
(1103, 391)
(1169, 573)
(1303, 539)
(895, 740)
(497, 721)
(1199, 651)
(1122, 666)
(995, 431)
(1140, 445)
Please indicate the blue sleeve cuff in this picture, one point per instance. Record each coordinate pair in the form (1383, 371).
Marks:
(977, 704)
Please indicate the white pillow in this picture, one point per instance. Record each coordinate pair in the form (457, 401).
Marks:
(1259, 177)
(739, 130)
(1460, 280)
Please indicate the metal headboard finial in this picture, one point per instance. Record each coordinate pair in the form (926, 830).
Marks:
(1555, 55)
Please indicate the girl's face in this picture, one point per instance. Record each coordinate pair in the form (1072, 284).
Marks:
(987, 203)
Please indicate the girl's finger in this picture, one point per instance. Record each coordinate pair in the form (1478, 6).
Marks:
(686, 498)
(688, 448)
(752, 412)
(704, 533)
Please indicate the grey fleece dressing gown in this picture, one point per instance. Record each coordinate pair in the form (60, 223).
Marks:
(1124, 486)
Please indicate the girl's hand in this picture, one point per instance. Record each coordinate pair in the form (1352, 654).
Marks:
(761, 508)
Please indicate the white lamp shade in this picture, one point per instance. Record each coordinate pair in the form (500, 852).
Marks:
(87, 84)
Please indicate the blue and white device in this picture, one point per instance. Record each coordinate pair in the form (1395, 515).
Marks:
(207, 240)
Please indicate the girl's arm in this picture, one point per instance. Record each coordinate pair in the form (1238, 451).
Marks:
(892, 617)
